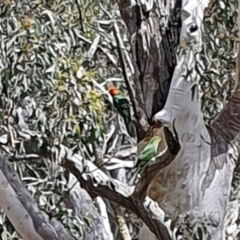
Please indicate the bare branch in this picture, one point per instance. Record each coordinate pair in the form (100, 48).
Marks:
(130, 202)
(150, 172)
(80, 15)
(141, 124)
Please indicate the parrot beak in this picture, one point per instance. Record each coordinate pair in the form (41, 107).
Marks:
(109, 97)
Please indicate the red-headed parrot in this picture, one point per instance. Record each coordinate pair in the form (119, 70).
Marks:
(121, 103)
(150, 151)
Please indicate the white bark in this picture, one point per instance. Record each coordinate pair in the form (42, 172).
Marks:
(82, 204)
(192, 16)
(186, 179)
(15, 211)
(21, 209)
(103, 212)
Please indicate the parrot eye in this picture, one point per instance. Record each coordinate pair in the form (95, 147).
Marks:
(193, 28)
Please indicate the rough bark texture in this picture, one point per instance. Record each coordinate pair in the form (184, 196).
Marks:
(198, 160)
(153, 53)
(205, 161)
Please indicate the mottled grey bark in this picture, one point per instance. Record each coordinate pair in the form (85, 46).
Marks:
(198, 159)
(22, 211)
(83, 206)
(153, 33)
(205, 163)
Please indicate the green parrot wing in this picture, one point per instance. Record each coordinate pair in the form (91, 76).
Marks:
(121, 101)
(122, 105)
(149, 151)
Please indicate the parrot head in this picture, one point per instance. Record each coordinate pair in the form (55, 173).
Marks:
(155, 140)
(113, 91)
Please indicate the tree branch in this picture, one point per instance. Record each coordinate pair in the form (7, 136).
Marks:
(150, 172)
(141, 123)
(230, 116)
(130, 202)
(22, 210)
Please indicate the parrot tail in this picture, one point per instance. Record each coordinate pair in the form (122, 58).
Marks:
(130, 127)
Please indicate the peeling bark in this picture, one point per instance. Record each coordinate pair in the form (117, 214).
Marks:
(201, 154)
(153, 53)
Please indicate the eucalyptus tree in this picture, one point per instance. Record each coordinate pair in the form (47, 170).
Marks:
(177, 63)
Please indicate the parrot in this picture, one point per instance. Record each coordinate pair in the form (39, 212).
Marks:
(150, 151)
(121, 103)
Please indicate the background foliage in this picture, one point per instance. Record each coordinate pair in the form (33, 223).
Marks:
(56, 59)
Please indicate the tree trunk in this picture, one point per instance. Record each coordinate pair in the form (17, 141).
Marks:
(190, 180)
(22, 211)
(188, 183)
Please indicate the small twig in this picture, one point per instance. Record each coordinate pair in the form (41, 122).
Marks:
(80, 16)
(105, 11)
(12, 140)
(124, 67)
(103, 50)
(93, 48)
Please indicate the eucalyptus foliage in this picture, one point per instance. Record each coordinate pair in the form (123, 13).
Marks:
(51, 89)
(219, 55)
